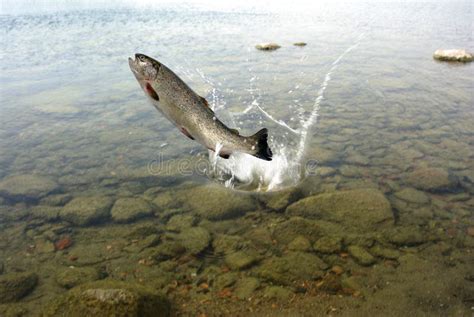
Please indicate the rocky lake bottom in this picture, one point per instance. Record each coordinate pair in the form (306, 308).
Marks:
(382, 225)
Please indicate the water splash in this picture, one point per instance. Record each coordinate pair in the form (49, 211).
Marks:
(244, 171)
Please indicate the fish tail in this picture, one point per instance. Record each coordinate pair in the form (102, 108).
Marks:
(262, 150)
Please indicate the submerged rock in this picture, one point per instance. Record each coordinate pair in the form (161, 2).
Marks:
(301, 44)
(277, 292)
(217, 203)
(413, 196)
(406, 236)
(14, 286)
(360, 209)
(110, 298)
(299, 243)
(292, 267)
(453, 55)
(195, 240)
(361, 255)
(74, 276)
(25, 187)
(129, 209)
(328, 245)
(180, 222)
(241, 259)
(430, 179)
(84, 211)
(267, 46)
(246, 287)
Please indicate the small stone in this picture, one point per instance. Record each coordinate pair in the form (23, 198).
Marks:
(301, 44)
(178, 223)
(63, 243)
(300, 243)
(128, 209)
(225, 280)
(14, 286)
(361, 255)
(328, 245)
(73, 276)
(338, 270)
(470, 231)
(240, 260)
(44, 246)
(413, 196)
(56, 200)
(277, 292)
(453, 55)
(246, 287)
(267, 46)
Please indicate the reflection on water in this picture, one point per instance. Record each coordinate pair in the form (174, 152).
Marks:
(373, 139)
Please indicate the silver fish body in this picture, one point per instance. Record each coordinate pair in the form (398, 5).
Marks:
(191, 113)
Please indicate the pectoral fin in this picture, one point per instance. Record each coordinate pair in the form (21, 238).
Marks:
(186, 133)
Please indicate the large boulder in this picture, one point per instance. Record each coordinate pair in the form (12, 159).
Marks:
(109, 298)
(129, 209)
(453, 55)
(14, 286)
(26, 187)
(360, 209)
(84, 211)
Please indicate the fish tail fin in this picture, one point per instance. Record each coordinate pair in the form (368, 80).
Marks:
(262, 150)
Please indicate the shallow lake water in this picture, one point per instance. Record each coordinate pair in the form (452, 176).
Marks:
(366, 208)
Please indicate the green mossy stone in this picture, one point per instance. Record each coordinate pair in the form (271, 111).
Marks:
(300, 243)
(277, 292)
(361, 209)
(225, 280)
(413, 196)
(129, 209)
(179, 223)
(84, 211)
(74, 276)
(22, 187)
(246, 287)
(109, 298)
(291, 267)
(328, 245)
(241, 260)
(195, 239)
(385, 253)
(217, 203)
(430, 179)
(15, 286)
(406, 236)
(361, 255)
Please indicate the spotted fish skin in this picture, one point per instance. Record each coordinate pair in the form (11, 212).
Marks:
(191, 113)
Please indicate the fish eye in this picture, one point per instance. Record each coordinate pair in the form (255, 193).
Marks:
(141, 58)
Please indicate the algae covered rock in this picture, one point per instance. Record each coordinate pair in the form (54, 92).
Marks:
(430, 179)
(217, 203)
(328, 244)
(361, 255)
(14, 286)
(413, 196)
(277, 292)
(129, 209)
(292, 267)
(246, 287)
(241, 259)
(74, 276)
(84, 211)
(300, 243)
(109, 298)
(195, 240)
(21, 187)
(360, 209)
(407, 236)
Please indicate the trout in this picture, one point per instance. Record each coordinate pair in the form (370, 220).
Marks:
(191, 113)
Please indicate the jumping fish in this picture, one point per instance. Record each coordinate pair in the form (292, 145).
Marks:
(191, 113)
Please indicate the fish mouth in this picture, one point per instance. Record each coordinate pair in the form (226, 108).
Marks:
(133, 65)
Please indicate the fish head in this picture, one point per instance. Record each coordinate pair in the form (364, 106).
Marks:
(144, 68)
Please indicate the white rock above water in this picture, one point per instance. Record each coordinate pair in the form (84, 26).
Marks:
(267, 46)
(453, 55)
